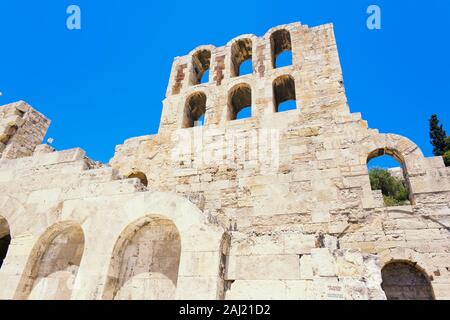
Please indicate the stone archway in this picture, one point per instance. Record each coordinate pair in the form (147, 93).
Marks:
(402, 149)
(168, 242)
(53, 264)
(145, 261)
(403, 280)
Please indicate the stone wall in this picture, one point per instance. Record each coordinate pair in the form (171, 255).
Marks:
(275, 206)
(21, 129)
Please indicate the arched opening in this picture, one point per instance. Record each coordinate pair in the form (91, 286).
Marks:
(280, 42)
(201, 62)
(241, 57)
(284, 93)
(405, 281)
(387, 173)
(240, 102)
(5, 239)
(145, 261)
(194, 110)
(141, 176)
(53, 264)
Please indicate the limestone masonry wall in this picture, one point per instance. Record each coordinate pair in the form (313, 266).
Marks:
(274, 206)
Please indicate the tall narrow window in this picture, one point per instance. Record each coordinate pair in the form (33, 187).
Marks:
(387, 177)
(241, 57)
(201, 62)
(194, 110)
(239, 102)
(280, 42)
(284, 93)
(5, 239)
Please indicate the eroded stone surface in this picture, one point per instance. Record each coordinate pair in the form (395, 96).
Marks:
(275, 206)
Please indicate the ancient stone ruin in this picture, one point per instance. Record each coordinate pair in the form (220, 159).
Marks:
(277, 205)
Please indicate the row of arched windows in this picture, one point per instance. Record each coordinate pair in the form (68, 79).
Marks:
(242, 57)
(240, 101)
(145, 265)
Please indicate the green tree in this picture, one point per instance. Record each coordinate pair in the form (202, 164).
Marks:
(394, 190)
(446, 157)
(446, 154)
(438, 137)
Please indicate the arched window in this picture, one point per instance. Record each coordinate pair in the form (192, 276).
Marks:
(241, 57)
(194, 110)
(239, 102)
(404, 281)
(53, 264)
(141, 176)
(201, 62)
(284, 93)
(5, 239)
(145, 261)
(280, 42)
(388, 177)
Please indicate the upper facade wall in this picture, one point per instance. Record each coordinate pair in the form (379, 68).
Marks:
(315, 71)
(310, 160)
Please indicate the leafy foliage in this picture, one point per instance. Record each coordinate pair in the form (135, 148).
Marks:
(447, 144)
(446, 157)
(438, 136)
(439, 140)
(394, 190)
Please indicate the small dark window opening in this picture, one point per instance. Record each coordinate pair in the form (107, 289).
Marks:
(241, 57)
(239, 102)
(141, 176)
(284, 93)
(4, 245)
(201, 62)
(280, 42)
(194, 110)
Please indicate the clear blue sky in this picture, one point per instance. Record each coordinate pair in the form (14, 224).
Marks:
(105, 83)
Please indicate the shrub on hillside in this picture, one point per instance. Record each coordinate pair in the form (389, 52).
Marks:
(394, 190)
(446, 157)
